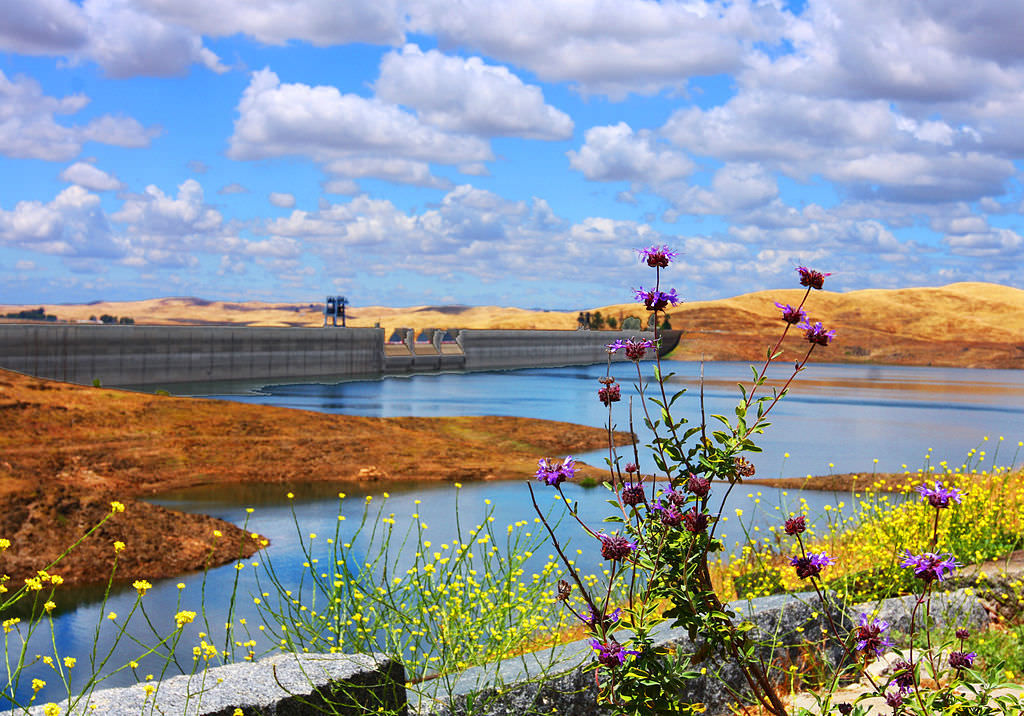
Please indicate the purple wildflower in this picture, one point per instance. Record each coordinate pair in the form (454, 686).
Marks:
(792, 315)
(633, 494)
(699, 486)
(816, 333)
(871, 636)
(672, 497)
(606, 621)
(656, 300)
(961, 660)
(631, 468)
(615, 547)
(796, 525)
(811, 279)
(844, 708)
(695, 521)
(635, 348)
(657, 256)
(610, 394)
(930, 566)
(811, 565)
(894, 699)
(611, 653)
(903, 675)
(670, 515)
(555, 473)
(939, 497)
(962, 634)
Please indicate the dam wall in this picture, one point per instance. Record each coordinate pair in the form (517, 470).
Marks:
(163, 356)
(147, 355)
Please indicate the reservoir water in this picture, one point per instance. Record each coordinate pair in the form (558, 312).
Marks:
(837, 418)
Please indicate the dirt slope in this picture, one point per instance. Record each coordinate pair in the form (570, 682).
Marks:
(67, 451)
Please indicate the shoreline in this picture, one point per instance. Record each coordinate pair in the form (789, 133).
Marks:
(68, 451)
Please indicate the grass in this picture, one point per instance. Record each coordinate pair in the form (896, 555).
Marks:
(484, 592)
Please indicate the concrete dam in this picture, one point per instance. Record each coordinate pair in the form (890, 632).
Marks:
(163, 356)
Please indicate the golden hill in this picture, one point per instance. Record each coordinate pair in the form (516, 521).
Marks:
(963, 324)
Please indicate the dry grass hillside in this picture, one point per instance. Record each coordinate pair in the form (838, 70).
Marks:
(963, 324)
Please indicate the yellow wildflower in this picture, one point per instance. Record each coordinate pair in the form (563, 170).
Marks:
(141, 585)
(116, 506)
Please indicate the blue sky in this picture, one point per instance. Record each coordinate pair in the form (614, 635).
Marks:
(511, 152)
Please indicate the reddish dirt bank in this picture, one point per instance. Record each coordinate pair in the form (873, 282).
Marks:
(67, 451)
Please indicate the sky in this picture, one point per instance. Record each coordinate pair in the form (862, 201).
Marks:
(504, 152)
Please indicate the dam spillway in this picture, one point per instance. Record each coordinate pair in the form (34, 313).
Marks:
(161, 356)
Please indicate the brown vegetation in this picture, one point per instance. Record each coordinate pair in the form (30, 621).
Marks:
(68, 451)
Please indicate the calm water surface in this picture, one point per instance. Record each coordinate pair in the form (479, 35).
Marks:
(837, 418)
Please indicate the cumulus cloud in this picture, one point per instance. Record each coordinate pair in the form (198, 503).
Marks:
(734, 188)
(72, 225)
(320, 22)
(867, 147)
(90, 177)
(29, 128)
(617, 153)
(285, 201)
(233, 188)
(42, 27)
(321, 123)
(993, 243)
(399, 171)
(459, 94)
(126, 41)
(610, 47)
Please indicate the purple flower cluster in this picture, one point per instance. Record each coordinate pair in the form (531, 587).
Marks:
(811, 279)
(961, 660)
(657, 256)
(635, 348)
(871, 635)
(903, 675)
(633, 494)
(930, 566)
(610, 653)
(610, 394)
(555, 473)
(816, 333)
(792, 315)
(695, 521)
(699, 486)
(796, 525)
(939, 497)
(615, 547)
(656, 300)
(811, 565)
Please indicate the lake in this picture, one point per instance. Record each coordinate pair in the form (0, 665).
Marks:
(837, 418)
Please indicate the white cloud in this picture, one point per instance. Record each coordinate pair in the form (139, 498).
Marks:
(320, 22)
(321, 123)
(467, 95)
(42, 27)
(71, 225)
(233, 188)
(126, 41)
(608, 47)
(866, 146)
(400, 171)
(169, 231)
(285, 201)
(617, 153)
(734, 188)
(994, 243)
(90, 177)
(29, 129)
